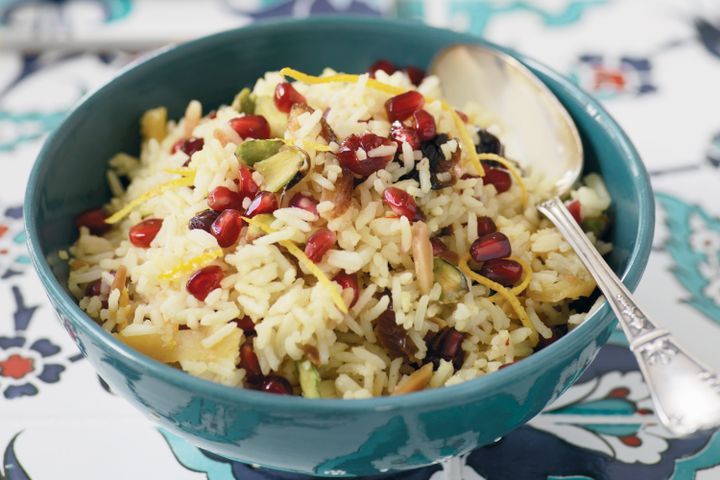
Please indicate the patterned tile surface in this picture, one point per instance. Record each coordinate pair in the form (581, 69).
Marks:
(655, 65)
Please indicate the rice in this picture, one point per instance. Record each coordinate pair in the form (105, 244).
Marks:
(287, 312)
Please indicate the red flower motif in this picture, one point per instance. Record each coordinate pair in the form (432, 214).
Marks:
(16, 366)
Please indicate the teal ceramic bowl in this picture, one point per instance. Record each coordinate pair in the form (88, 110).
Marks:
(321, 437)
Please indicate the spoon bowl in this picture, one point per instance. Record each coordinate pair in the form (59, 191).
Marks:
(543, 132)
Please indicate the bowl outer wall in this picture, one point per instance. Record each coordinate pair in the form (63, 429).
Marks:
(318, 436)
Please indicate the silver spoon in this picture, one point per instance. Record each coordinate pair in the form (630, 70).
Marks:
(685, 393)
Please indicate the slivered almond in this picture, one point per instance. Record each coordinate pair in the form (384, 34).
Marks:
(417, 381)
(193, 113)
(423, 256)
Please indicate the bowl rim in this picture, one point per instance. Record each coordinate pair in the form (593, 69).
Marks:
(454, 394)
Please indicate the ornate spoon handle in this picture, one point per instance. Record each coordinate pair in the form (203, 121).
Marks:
(685, 393)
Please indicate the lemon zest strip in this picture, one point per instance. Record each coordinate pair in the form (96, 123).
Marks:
(332, 288)
(504, 292)
(340, 78)
(193, 264)
(519, 288)
(511, 168)
(468, 145)
(185, 181)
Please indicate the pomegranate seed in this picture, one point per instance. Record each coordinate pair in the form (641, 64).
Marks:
(424, 125)
(498, 177)
(222, 198)
(463, 116)
(485, 225)
(204, 281)
(305, 202)
(446, 345)
(212, 115)
(347, 155)
(574, 208)
(264, 202)
(401, 203)
(400, 133)
(415, 74)
(383, 65)
(189, 146)
(251, 126)
(286, 96)
(203, 220)
(226, 227)
(94, 220)
(319, 243)
(276, 384)
(246, 325)
(142, 234)
(503, 271)
(349, 280)
(493, 245)
(246, 185)
(402, 106)
(249, 361)
(93, 289)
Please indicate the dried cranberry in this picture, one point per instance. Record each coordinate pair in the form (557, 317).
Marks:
(221, 198)
(264, 202)
(319, 243)
(488, 143)
(277, 385)
(348, 157)
(490, 246)
(400, 133)
(393, 337)
(438, 246)
(251, 126)
(94, 220)
(249, 361)
(383, 65)
(574, 208)
(142, 234)
(424, 125)
(204, 281)
(286, 96)
(305, 202)
(246, 185)
(557, 332)
(485, 225)
(203, 220)
(349, 280)
(504, 271)
(415, 74)
(402, 106)
(497, 177)
(246, 325)
(93, 289)
(226, 227)
(402, 203)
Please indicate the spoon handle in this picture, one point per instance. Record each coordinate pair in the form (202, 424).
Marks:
(686, 395)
